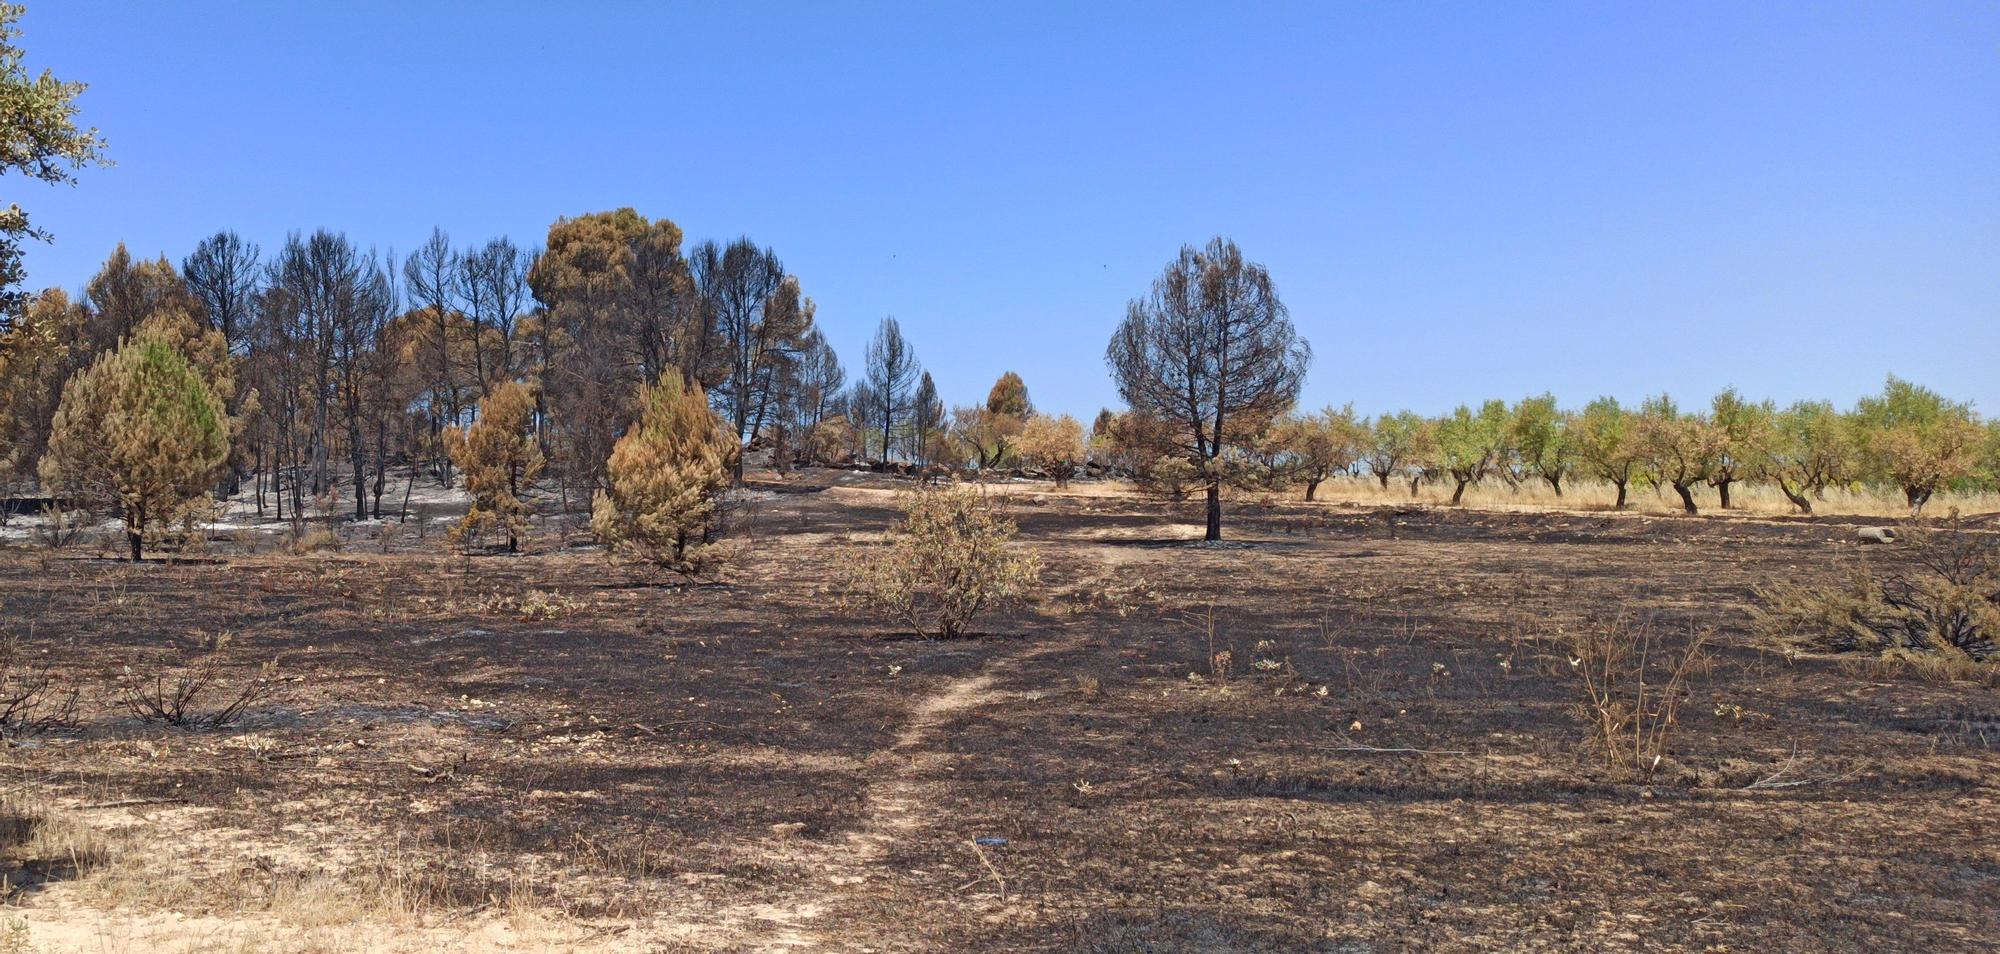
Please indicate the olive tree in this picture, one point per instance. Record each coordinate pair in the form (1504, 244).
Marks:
(1539, 435)
(1470, 444)
(1679, 447)
(1917, 439)
(1812, 447)
(1607, 444)
(1317, 446)
(1743, 436)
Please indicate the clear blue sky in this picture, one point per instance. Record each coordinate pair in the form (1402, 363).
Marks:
(1456, 200)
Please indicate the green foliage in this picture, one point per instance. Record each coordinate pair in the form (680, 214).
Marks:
(1471, 443)
(39, 138)
(1812, 448)
(142, 430)
(1607, 444)
(1398, 442)
(950, 559)
(1914, 438)
(1539, 435)
(1743, 434)
(665, 480)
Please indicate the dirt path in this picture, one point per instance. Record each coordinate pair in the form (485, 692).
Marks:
(893, 811)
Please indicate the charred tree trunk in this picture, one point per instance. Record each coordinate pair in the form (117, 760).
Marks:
(1620, 504)
(1687, 497)
(136, 537)
(1214, 512)
(1722, 488)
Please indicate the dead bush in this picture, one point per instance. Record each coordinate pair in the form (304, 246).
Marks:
(195, 693)
(1632, 682)
(1939, 596)
(949, 560)
(33, 699)
(61, 527)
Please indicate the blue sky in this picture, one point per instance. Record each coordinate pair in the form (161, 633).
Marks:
(1457, 201)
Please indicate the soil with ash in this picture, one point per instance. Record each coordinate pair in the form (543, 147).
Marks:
(1389, 762)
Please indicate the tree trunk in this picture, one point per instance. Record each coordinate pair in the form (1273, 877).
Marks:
(1798, 499)
(134, 531)
(1722, 488)
(357, 457)
(404, 515)
(1620, 505)
(1413, 486)
(742, 447)
(1555, 483)
(1687, 497)
(381, 465)
(1214, 512)
(1384, 478)
(1458, 492)
(1312, 487)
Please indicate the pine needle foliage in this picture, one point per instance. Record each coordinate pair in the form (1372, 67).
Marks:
(501, 461)
(662, 501)
(142, 430)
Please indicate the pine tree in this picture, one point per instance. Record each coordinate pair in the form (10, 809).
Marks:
(500, 460)
(140, 429)
(665, 479)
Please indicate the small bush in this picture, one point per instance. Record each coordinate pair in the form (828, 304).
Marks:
(61, 527)
(1169, 478)
(313, 540)
(1632, 682)
(1939, 597)
(948, 561)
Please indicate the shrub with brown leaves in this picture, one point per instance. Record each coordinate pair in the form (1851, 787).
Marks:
(1939, 595)
(949, 560)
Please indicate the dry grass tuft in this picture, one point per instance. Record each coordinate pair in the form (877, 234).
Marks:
(1633, 682)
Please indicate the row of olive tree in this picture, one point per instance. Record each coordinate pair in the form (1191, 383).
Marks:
(1907, 437)
(1210, 367)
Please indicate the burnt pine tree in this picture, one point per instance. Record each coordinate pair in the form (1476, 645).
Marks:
(1209, 349)
(892, 374)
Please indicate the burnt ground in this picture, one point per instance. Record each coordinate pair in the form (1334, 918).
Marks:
(753, 765)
